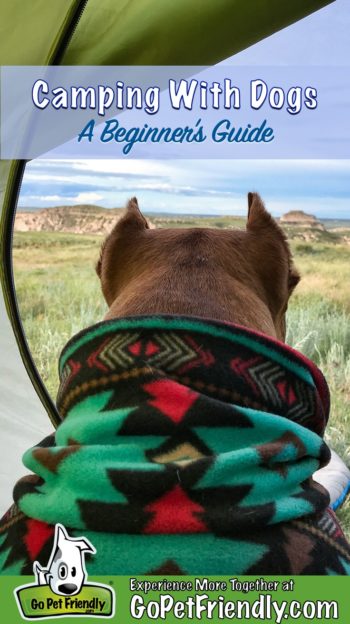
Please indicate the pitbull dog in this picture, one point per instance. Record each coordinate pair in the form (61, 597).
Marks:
(245, 277)
(65, 572)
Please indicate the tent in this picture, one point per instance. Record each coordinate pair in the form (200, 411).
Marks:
(100, 32)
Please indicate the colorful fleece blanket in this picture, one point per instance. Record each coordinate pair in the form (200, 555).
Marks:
(186, 446)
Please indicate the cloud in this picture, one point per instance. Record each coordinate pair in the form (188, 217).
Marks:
(197, 186)
(45, 198)
(144, 168)
(87, 197)
(80, 198)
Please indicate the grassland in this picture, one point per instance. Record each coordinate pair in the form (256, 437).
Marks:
(59, 294)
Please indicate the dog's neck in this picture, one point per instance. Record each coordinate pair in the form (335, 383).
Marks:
(199, 292)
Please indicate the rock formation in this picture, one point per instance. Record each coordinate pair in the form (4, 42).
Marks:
(299, 219)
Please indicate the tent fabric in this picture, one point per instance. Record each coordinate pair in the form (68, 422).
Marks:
(22, 415)
(30, 29)
(186, 32)
(145, 32)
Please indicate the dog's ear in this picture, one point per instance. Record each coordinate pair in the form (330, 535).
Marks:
(132, 221)
(271, 254)
(133, 218)
(259, 218)
(117, 249)
(261, 222)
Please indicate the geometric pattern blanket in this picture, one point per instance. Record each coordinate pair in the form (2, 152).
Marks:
(186, 446)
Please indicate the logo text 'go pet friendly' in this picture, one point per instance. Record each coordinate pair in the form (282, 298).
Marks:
(61, 589)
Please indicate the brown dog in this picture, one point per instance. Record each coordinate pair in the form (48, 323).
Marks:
(244, 277)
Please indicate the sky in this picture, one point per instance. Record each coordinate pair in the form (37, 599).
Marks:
(319, 187)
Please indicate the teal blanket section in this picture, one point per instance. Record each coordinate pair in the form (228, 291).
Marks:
(273, 459)
(139, 432)
(186, 446)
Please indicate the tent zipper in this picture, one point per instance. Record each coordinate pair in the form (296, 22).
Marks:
(68, 32)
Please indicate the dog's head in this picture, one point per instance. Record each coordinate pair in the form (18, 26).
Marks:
(244, 277)
(66, 569)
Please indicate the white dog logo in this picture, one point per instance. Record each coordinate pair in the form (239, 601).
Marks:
(65, 572)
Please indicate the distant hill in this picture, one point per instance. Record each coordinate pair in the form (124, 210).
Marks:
(301, 219)
(299, 225)
(95, 220)
(89, 219)
(80, 219)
